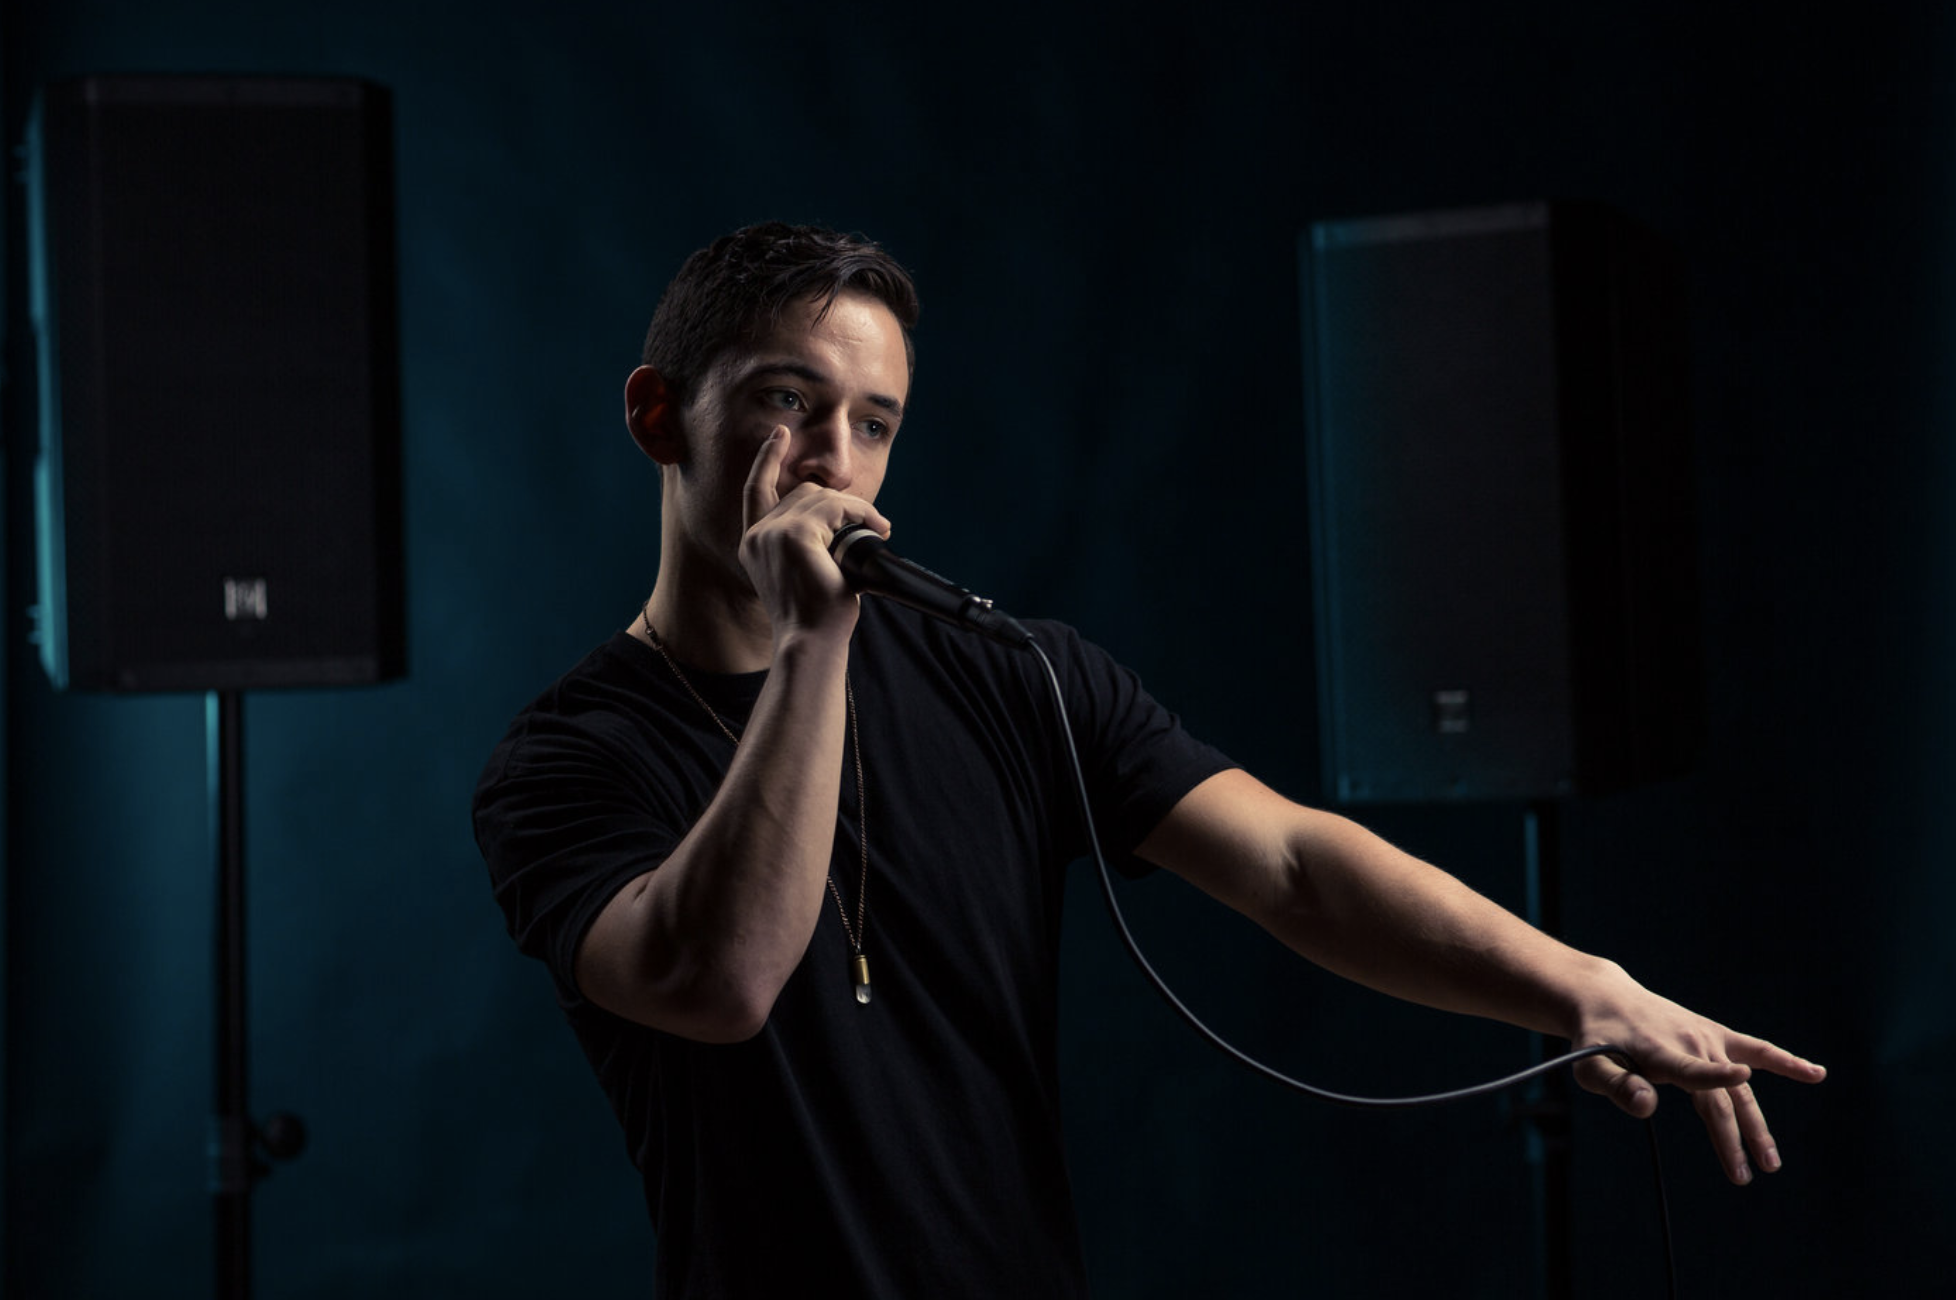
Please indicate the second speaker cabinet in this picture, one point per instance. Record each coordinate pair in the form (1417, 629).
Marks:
(1500, 491)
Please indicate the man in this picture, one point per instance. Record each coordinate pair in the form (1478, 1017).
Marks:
(795, 859)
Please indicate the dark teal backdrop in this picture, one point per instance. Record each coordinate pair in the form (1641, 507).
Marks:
(1102, 212)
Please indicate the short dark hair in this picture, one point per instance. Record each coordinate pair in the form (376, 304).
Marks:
(733, 291)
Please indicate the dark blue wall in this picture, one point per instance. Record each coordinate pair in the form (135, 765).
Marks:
(1102, 214)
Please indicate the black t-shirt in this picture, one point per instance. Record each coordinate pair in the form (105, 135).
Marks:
(905, 1148)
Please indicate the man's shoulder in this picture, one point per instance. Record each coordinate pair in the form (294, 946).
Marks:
(888, 626)
(601, 700)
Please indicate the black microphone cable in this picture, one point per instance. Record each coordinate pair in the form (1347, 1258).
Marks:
(1242, 1058)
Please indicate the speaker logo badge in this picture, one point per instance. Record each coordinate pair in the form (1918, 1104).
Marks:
(245, 599)
(1453, 713)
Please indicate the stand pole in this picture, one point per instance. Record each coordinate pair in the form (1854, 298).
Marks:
(230, 1140)
(1545, 1105)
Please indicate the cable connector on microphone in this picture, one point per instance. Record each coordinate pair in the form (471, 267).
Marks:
(872, 568)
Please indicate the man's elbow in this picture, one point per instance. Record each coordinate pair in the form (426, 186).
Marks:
(705, 1003)
(730, 1011)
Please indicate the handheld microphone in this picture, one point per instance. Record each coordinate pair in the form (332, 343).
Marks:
(871, 567)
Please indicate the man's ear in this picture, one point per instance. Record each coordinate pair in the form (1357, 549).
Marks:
(651, 417)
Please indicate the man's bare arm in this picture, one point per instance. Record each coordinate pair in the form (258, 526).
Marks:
(1354, 904)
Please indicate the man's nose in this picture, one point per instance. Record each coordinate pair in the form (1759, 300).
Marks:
(821, 452)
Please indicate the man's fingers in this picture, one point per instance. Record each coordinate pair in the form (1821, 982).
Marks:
(762, 493)
(1700, 1075)
(1634, 1090)
(1663, 1045)
(1736, 1126)
(1753, 1132)
(1631, 1092)
(1762, 1055)
(1720, 1094)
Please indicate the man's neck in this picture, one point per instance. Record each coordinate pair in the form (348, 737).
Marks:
(716, 627)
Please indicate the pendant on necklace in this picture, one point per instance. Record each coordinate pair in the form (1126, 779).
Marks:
(859, 972)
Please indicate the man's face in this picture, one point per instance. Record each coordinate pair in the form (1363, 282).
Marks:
(837, 383)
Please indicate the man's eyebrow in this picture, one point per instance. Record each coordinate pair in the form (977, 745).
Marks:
(798, 369)
(809, 374)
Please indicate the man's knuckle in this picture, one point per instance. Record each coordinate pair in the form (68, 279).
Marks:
(1716, 1104)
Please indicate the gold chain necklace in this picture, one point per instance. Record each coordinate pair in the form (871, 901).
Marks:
(858, 962)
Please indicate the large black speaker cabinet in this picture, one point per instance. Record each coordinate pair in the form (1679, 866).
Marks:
(218, 484)
(1500, 493)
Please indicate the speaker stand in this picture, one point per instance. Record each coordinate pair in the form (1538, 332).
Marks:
(1544, 1107)
(234, 1140)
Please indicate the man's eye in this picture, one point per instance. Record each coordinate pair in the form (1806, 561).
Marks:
(785, 398)
(875, 429)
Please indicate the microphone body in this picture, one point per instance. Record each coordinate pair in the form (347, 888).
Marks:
(872, 568)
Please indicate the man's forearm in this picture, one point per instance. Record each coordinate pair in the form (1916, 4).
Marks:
(1359, 906)
(1349, 901)
(702, 945)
